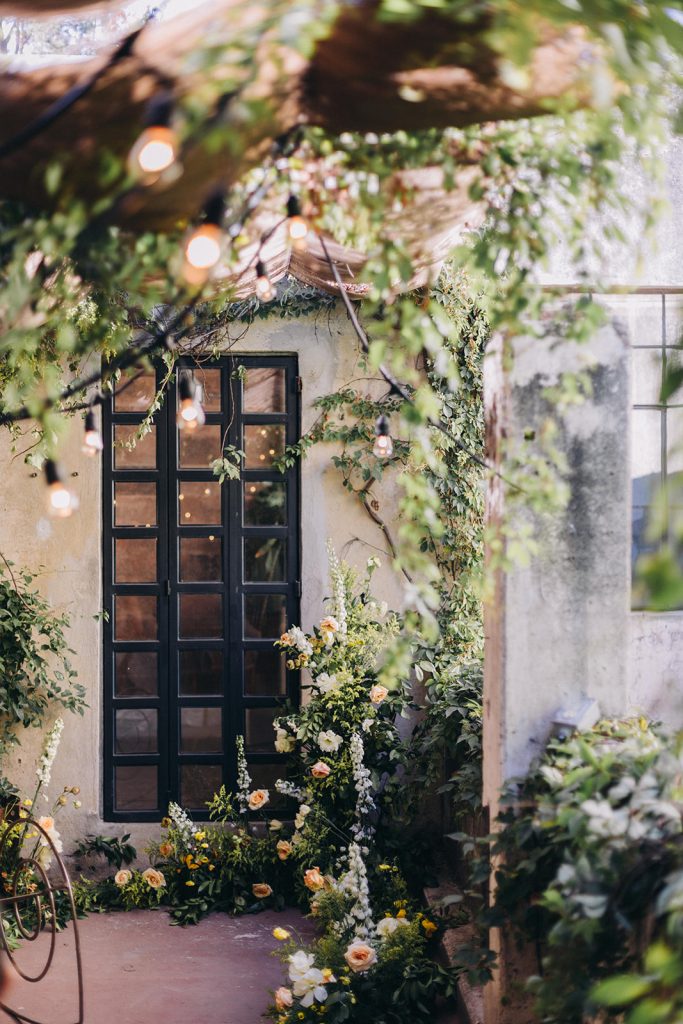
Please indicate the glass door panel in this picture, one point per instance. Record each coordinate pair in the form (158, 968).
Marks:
(200, 578)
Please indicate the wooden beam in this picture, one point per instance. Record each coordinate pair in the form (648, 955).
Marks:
(366, 74)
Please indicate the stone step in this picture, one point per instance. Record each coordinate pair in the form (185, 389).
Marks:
(470, 1008)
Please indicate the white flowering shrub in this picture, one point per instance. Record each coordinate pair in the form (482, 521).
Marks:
(592, 872)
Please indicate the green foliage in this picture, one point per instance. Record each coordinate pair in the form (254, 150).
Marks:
(590, 869)
(116, 851)
(35, 669)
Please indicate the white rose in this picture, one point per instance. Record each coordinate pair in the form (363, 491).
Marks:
(388, 925)
(326, 683)
(329, 741)
(284, 743)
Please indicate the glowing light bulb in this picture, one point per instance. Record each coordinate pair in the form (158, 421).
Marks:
(204, 244)
(61, 502)
(92, 439)
(297, 226)
(383, 447)
(264, 286)
(156, 149)
(203, 247)
(190, 411)
(154, 152)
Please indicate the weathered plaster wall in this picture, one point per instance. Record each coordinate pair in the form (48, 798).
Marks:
(70, 550)
(564, 627)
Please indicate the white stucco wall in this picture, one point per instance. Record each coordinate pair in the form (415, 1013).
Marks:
(69, 551)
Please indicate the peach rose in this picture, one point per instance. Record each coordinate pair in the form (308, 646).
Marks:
(283, 849)
(320, 770)
(259, 798)
(314, 879)
(360, 956)
(123, 877)
(378, 694)
(154, 878)
(283, 998)
(166, 849)
(261, 890)
(47, 823)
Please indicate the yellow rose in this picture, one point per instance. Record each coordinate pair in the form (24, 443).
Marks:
(320, 770)
(123, 877)
(283, 849)
(261, 890)
(154, 878)
(314, 879)
(360, 956)
(259, 798)
(378, 694)
(283, 998)
(166, 849)
(429, 926)
(281, 934)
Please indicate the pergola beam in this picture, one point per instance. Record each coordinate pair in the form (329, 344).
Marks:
(366, 74)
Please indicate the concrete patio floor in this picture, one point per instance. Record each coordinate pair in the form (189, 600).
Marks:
(138, 969)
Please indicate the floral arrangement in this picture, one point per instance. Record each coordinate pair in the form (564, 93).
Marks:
(372, 960)
(343, 743)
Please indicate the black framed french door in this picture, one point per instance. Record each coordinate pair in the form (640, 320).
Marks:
(199, 579)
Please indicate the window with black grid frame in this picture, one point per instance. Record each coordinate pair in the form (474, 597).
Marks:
(655, 321)
(199, 579)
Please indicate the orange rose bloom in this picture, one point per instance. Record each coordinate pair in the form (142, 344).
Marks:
(360, 956)
(283, 849)
(313, 879)
(261, 890)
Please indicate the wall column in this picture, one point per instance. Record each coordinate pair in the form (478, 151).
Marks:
(556, 631)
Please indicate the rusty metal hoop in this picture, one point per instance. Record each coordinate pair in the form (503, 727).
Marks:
(32, 838)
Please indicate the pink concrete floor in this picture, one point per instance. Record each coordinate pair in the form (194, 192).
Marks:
(140, 970)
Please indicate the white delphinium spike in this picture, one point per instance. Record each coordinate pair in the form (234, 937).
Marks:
(365, 805)
(49, 752)
(182, 823)
(243, 776)
(338, 588)
(358, 921)
(287, 788)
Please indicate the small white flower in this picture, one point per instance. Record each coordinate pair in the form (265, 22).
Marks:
(300, 640)
(284, 742)
(367, 724)
(307, 980)
(326, 683)
(329, 741)
(388, 925)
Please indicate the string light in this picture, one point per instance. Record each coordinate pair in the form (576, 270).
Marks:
(264, 286)
(297, 226)
(61, 502)
(384, 447)
(156, 149)
(204, 244)
(92, 439)
(190, 410)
